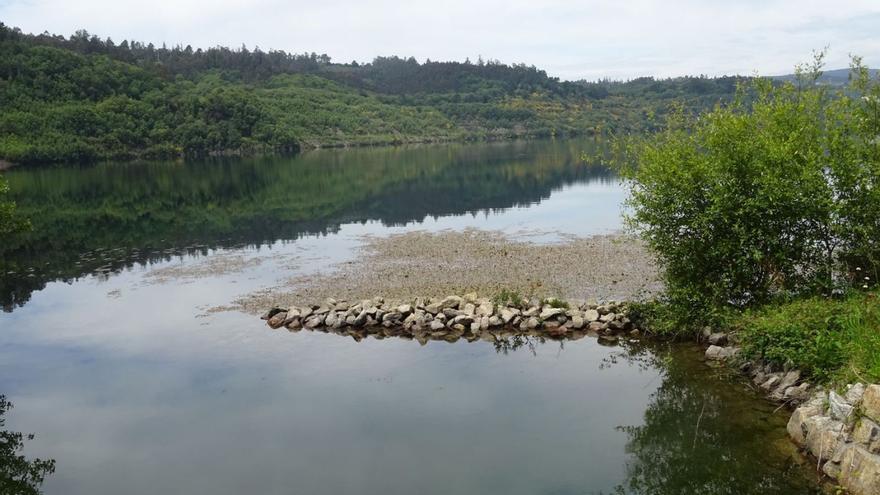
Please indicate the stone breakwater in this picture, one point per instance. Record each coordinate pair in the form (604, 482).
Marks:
(454, 317)
(840, 430)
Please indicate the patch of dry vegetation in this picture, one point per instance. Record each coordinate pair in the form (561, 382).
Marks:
(404, 266)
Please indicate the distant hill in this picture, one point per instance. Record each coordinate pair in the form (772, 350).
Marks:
(833, 77)
(83, 98)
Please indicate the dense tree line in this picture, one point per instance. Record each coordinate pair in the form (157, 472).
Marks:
(83, 98)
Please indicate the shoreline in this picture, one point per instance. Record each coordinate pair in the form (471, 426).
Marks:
(304, 147)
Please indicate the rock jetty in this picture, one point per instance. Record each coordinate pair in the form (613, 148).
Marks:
(454, 317)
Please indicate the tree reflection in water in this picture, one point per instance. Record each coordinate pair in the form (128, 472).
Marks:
(705, 434)
(515, 342)
(18, 475)
(703, 431)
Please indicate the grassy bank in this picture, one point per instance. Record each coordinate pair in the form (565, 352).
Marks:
(831, 340)
(835, 340)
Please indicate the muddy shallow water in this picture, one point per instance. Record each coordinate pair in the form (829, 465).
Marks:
(116, 356)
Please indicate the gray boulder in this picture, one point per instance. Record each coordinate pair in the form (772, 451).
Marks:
(838, 407)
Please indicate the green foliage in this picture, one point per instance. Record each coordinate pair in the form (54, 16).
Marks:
(507, 297)
(554, 302)
(671, 320)
(18, 475)
(827, 338)
(760, 198)
(85, 99)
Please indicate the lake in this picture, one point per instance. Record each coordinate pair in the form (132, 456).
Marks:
(133, 386)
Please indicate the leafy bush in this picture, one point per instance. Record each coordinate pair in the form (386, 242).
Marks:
(777, 193)
(661, 317)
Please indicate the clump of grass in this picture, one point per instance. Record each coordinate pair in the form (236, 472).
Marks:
(555, 302)
(507, 297)
(836, 340)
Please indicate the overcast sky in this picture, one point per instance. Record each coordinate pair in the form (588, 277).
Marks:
(587, 39)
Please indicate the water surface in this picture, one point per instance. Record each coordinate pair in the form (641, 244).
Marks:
(134, 388)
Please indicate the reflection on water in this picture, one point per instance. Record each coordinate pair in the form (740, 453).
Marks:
(707, 435)
(101, 219)
(18, 474)
(132, 392)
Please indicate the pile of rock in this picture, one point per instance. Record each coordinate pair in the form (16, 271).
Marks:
(458, 316)
(781, 386)
(842, 431)
(720, 345)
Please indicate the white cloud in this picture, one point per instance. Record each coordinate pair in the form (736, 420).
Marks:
(569, 39)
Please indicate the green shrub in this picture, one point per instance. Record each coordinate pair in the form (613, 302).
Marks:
(661, 317)
(762, 198)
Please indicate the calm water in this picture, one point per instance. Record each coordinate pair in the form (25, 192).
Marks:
(133, 388)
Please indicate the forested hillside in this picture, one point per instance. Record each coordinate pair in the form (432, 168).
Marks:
(84, 98)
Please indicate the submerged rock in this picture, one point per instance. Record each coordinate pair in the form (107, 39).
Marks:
(716, 353)
(277, 319)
